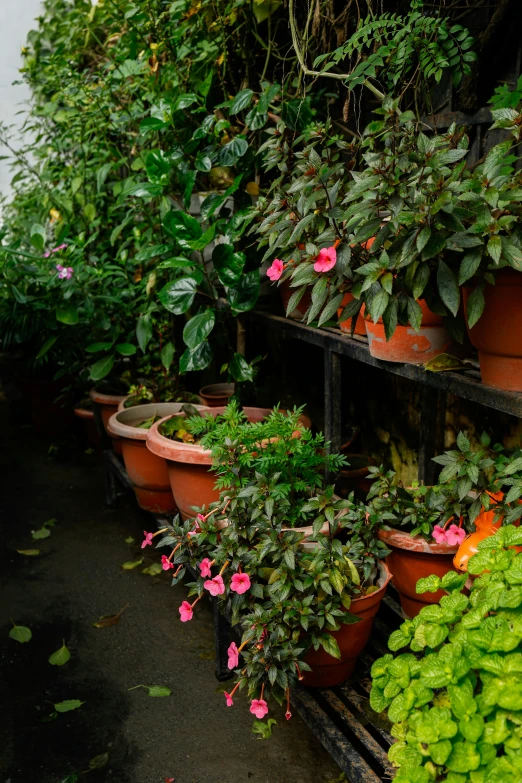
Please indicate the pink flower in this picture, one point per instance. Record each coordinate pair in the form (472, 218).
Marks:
(147, 541)
(64, 272)
(259, 708)
(233, 656)
(326, 259)
(230, 700)
(166, 564)
(275, 271)
(54, 250)
(185, 612)
(288, 714)
(439, 534)
(240, 583)
(204, 567)
(455, 535)
(215, 586)
(200, 517)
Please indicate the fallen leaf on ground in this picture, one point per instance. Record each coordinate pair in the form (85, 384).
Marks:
(154, 690)
(60, 657)
(106, 620)
(68, 705)
(98, 762)
(152, 570)
(20, 633)
(129, 540)
(42, 532)
(444, 362)
(130, 564)
(28, 552)
(263, 729)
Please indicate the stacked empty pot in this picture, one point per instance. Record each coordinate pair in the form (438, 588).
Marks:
(147, 471)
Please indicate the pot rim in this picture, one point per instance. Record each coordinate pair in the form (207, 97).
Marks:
(217, 389)
(120, 422)
(84, 413)
(105, 399)
(382, 582)
(193, 453)
(402, 540)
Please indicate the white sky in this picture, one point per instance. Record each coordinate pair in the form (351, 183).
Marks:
(16, 19)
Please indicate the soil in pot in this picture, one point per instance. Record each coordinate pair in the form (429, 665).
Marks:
(216, 395)
(146, 470)
(108, 404)
(497, 335)
(189, 464)
(408, 346)
(411, 559)
(352, 638)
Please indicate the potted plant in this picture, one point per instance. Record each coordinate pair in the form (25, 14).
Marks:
(146, 470)
(270, 550)
(454, 699)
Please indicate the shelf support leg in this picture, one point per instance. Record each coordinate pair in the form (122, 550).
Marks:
(332, 398)
(431, 432)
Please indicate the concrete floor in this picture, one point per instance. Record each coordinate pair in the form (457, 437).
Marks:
(190, 736)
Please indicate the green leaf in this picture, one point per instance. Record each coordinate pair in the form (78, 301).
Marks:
(464, 757)
(158, 691)
(198, 328)
(244, 296)
(428, 584)
(37, 236)
(178, 296)
(469, 265)
(89, 211)
(475, 305)
(20, 633)
(131, 564)
(230, 153)
(126, 349)
(185, 100)
(240, 369)
(158, 167)
(144, 331)
(41, 533)
(495, 248)
(145, 190)
(101, 368)
(98, 762)
(448, 287)
(152, 570)
(152, 124)
(95, 347)
(167, 355)
(151, 252)
(179, 224)
(241, 101)
(228, 264)
(60, 657)
(48, 344)
(330, 645)
(196, 359)
(68, 705)
(203, 162)
(67, 314)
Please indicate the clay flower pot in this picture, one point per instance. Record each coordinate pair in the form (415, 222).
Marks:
(497, 335)
(189, 464)
(355, 478)
(89, 423)
(346, 326)
(411, 559)
(108, 406)
(408, 346)
(328, 671)
(217, 394)
(147, 471)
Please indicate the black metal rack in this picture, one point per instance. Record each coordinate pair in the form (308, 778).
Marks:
(434, 385)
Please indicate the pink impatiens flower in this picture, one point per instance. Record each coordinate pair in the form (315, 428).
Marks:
(165, 563)
(147, 541)
(439, 534)
(455, 535)
(233, 656)
(185, 612)
(288, 714)
(240, 583)
(204, 567)
(259, 708)
(215, 586)
(230, 700)
(326, 259)
(64, 272)
(275, 271)
(54, 250)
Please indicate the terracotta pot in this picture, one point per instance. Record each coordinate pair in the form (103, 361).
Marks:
(147, 471)
(408, 346)
(306, 300)
(89, 423)
(411, 559)
(355, 478)
(189, 465)
(346, 326)
(108, 406)
(497, 335)
(328, 671)
(217, 394)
